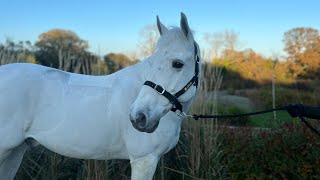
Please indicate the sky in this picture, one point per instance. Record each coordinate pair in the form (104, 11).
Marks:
(114, 26)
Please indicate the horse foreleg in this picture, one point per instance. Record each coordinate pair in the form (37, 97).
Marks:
(144, 168)
(11, 162)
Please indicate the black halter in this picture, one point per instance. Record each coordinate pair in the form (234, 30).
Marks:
(174, 98)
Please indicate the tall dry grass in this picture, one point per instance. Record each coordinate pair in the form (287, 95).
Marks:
(204, 153)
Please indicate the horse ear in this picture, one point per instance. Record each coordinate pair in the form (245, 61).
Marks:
(162, 29)
(185, 27)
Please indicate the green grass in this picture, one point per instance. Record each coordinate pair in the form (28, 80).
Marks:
(267, 120)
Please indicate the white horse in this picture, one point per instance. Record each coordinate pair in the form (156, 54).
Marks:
(125, 115)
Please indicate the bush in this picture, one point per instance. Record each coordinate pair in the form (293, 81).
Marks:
(285, 96)
(291, 152)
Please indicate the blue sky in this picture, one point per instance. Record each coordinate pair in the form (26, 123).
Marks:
(114, 26)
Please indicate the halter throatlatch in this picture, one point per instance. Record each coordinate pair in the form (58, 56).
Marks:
(174, 98)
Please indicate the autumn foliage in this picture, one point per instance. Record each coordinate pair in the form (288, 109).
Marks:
(303, 47)
(302, 63)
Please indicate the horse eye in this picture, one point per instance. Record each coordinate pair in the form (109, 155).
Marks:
(177, 64)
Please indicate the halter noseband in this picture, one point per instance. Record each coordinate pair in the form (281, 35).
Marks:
(174, 98)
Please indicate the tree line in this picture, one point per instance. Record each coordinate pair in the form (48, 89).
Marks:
(65, 50)
(302, 62)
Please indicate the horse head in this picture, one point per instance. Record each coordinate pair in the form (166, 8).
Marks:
(172, 77)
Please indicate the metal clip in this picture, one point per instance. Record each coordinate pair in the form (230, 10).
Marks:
(184, 115)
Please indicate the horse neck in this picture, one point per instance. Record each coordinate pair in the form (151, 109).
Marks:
(132, 76)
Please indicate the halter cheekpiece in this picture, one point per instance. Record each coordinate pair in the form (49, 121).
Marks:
(174, 98)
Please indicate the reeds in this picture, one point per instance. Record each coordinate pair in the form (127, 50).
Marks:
(204, 152)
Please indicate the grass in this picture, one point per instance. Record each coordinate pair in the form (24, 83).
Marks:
(267, 120)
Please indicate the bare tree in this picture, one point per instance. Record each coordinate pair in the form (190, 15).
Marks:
(149, 35)
(11, 52)
(215, 42)
(7, 56)
(222, 43)
(231, 40)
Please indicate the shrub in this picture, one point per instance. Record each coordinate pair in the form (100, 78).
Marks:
(285, 96)
(291, 152)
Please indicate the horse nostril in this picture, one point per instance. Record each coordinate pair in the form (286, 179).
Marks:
(141, 120)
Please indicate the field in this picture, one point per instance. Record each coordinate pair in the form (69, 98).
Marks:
(263, 71)
(258, 147)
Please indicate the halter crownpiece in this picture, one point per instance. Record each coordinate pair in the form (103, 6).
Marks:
(174, 98)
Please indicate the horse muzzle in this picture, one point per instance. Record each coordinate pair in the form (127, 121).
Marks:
(140, 122)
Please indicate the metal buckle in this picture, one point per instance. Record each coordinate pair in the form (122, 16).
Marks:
(163, 90)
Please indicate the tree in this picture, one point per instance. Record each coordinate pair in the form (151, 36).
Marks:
(80, 62)
(12, 52)
(117, 61)
(231, 39)
(215, 42)
(303, 47)
(223, 44)
(298, 40)
(59, 38)
(149, 35)
(65, 50)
